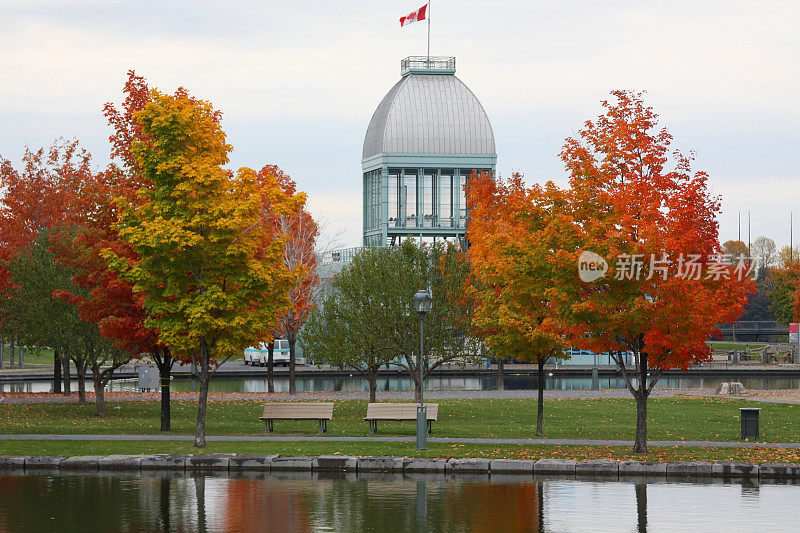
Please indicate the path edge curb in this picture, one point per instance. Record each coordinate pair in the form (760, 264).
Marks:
(397, 464)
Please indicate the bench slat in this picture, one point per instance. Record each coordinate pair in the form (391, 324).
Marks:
(399, 411)
(298, 411)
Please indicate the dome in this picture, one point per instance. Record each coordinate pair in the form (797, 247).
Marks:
(429, 113)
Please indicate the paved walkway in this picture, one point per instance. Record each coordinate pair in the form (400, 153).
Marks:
(443, 440)
(42, 397)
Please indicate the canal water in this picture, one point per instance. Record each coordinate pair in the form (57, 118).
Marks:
(355, 383)
(381, 503)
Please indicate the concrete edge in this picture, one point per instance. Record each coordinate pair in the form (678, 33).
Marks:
(351, 464)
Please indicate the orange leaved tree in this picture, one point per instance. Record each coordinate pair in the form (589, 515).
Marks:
(516, 236)
(638, 208)
(300, 232)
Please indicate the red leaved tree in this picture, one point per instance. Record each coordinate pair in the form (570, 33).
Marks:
(39, 196)
(300, 232)
(112, 301)
(643, 209)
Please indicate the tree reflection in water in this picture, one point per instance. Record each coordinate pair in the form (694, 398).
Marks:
(383, 503)
(641, 506)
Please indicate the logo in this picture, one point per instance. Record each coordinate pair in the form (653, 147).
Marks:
(591, 266)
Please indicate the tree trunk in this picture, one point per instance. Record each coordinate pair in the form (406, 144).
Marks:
(2, 354)
(417, 385)
(99, 387)
(372, 379)
(540, 403)
(21, 356)
(500, 375)
(57, 371)
(164, 364)
(640, 445)
(12, 354)
(292, 386)
(270, 367)
(202, 402)
(65, 370)
(81, 383)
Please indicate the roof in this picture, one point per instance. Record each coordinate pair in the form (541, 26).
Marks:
(429, 114)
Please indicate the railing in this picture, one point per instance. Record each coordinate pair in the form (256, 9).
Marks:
(765, 327)
(345, 255)
(427, 63)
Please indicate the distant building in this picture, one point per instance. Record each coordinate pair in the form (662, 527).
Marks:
(428, 134)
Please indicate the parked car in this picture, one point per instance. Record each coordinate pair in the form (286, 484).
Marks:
(258, 355)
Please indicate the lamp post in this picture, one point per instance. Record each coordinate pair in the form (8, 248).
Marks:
(422, 305)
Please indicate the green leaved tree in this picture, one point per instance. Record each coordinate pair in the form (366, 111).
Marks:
(368, 319)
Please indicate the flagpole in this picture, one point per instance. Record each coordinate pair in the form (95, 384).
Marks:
(428, 16)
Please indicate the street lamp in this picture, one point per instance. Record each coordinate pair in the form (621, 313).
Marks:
(422, 305)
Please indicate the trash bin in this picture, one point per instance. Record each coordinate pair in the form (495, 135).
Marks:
(749, 417)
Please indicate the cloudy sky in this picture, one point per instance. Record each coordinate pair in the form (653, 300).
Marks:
(297, 82)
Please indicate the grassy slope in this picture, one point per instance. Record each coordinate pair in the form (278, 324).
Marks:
(669, 419)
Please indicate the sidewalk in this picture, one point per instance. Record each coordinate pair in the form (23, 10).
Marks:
(442, 440)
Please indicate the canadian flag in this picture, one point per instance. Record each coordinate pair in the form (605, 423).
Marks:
(419, 14)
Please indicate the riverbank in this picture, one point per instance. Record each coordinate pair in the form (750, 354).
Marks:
(471, 466)
(236, 369)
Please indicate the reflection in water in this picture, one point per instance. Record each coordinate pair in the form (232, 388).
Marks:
(383, 503)
(641, 506)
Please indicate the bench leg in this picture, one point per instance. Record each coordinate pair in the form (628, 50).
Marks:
(373, 426)
(269, 426)
(430, 427)
(322, 426)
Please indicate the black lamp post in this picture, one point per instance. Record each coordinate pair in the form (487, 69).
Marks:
(422, 305)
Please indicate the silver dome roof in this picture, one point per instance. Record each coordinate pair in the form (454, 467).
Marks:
(429, 114)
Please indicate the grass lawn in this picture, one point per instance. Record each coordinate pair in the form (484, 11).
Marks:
(680, 418)
(726, 346)
(41, 356)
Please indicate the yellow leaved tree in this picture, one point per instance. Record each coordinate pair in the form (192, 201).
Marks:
(210, 268)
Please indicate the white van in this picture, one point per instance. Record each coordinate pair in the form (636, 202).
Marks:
(258, 355)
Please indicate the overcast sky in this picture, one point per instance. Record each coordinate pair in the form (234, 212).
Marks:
(297, 82)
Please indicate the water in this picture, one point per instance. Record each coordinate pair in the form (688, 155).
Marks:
(385, 503)
(436, 382)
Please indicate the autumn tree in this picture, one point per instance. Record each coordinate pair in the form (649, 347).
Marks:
(735, 249)
(209, 267)
(42, 319)
(38, 196)
(638, 205)
(299, 256)
(785, 292)
(787, 255)
(112, 301)
(515, 237)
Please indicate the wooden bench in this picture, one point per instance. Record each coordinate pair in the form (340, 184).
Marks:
(398, 411)
(322, 411)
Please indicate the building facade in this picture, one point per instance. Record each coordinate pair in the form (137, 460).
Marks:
(428, 134)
